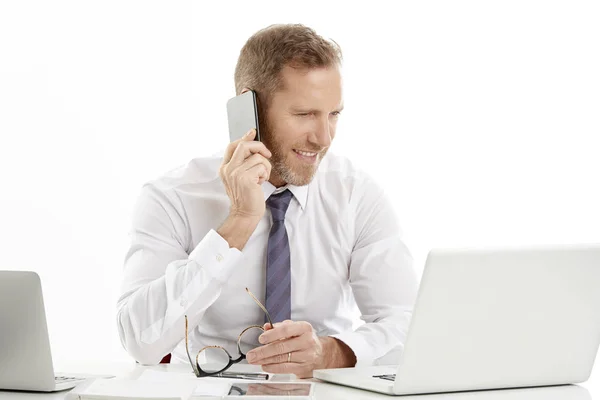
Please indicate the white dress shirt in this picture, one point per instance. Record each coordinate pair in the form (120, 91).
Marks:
(346, 251)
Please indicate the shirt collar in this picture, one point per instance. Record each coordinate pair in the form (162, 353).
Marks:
(299, 192)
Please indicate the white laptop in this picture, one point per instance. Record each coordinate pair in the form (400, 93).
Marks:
(25, 358)
(495, 318)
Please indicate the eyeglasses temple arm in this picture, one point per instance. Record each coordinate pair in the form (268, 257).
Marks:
(261, 306)
(187, 350)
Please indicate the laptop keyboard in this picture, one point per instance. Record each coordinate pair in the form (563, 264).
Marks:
(388, 377)
(64, 379)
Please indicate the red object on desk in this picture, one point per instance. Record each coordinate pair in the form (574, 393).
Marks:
(166, 359)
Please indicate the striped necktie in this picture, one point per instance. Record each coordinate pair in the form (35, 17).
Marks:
(279, 280)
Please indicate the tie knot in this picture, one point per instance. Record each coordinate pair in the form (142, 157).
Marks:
(279, 203)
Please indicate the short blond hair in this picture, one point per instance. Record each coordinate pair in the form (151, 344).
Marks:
(269, 50)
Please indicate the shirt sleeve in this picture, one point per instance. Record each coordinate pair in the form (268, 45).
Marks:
(162, 282)
(383, 281)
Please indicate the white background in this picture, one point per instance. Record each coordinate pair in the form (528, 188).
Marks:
(480, 118)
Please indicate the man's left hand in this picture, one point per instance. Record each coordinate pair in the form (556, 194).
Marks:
(292, 347)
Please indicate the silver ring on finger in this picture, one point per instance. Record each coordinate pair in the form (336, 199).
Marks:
(290, 357)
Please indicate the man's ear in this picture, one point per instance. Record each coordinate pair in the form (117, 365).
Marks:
(244, 90)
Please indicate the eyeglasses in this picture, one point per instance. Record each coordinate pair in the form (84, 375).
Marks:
(216, 359)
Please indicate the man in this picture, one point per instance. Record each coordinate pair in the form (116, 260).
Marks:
(304, 230)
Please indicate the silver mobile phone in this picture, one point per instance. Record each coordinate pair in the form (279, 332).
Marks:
(242, 115)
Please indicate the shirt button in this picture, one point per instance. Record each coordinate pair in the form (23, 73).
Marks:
(219, 258)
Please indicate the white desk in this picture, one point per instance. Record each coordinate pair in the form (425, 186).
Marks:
(323, 391)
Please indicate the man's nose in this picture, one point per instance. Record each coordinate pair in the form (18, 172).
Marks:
(321, 134)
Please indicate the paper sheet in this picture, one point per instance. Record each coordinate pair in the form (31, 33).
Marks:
(204, 387)
(135, 389)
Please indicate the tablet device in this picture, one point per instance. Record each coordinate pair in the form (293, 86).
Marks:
(286, 390)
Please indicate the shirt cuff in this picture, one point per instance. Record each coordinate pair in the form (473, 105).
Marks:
(215, 256)
(359, 346)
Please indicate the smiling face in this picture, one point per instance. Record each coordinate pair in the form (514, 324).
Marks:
(301, 121)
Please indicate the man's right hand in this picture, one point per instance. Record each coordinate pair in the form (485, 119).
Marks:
(245, 167)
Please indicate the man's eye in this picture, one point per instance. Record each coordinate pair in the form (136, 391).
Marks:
(336, 113)
(303, 114)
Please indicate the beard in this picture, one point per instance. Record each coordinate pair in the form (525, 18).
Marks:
(294, 171)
